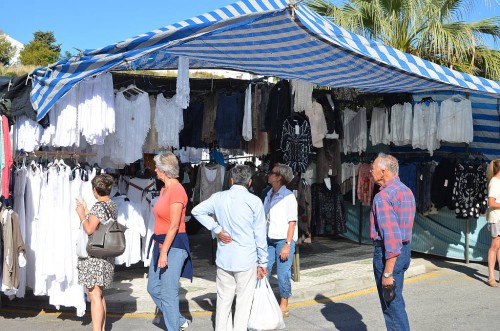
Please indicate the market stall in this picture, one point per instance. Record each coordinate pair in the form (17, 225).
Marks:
(115, 120)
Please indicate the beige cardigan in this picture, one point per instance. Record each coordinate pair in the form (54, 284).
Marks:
(13, 245)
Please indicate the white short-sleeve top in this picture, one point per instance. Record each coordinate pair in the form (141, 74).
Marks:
(493, 215)
(280, 210)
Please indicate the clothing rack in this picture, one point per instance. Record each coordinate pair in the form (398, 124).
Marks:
(226, 158)
(161, 84)
(62, 154)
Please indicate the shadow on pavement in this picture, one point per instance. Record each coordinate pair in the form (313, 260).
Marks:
(457, 265)
(343, 316)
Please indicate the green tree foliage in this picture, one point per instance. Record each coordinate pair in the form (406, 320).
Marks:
(431, 29)
(42, 50)
(7, 50)
(47, 38)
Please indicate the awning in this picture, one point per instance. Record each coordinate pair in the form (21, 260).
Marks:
(272, 38)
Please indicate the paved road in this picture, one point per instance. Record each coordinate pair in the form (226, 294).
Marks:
(453, 296)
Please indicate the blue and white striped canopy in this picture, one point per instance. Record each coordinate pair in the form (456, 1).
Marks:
(268, 37)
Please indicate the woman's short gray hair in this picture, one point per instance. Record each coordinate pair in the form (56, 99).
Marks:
(241, 175)
(388, 162)
(167, 163)
(285, 172)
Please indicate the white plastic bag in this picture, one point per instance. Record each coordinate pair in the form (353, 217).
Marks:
(266, 313)
(83, 237)
(81, 242)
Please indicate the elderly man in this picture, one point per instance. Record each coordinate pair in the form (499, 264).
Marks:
(241, 249)
(391, 223)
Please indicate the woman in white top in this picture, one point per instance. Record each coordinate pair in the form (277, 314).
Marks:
(493, 217)
(280, 206)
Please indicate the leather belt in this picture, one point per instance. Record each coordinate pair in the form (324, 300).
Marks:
(380, 243)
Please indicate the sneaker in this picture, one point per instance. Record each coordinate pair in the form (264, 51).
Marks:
(185, 325)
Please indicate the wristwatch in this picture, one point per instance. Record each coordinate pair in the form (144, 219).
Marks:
(387, 274)
(288, 242)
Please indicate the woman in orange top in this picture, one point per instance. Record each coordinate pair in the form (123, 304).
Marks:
(171, 256)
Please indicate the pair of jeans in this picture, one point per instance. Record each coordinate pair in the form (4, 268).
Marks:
(283, 268)
(163, 286)
(394, 312)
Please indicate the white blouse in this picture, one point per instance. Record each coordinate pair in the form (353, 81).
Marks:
(169, 121)
(424, 133)
(455, 123)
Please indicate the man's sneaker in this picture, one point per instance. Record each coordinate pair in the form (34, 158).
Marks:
(185, 325)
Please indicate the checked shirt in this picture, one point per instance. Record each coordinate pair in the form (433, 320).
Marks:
(392, 216)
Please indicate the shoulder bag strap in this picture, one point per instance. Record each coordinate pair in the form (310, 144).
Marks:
(106, 209)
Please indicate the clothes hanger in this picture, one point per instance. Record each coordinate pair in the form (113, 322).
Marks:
(457, 97)
(426, 99)
(61, 163)
(132, 90)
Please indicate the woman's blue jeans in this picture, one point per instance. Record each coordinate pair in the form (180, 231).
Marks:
(163, 286)
(395, 315)
(283, 268)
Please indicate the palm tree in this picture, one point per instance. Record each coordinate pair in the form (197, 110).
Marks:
(431, 29)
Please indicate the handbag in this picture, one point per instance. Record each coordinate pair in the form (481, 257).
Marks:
(108, 240)
(81, 243)
(266, 313)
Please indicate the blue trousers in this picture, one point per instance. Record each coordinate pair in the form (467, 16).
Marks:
(394, 312)
(283, 268)
(163, 286)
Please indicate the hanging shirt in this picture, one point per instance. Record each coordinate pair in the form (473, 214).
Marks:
(355, 131)
(96, 108)
(208, 134)
(470, 193)
(318, 124)
(129, 215)
(7, 150)
(424, 134)
(365, 184)
(229, 119)
(182, 87)
(455, 121)
(67, 132)
(296, 142)
(302, 95)
(20, 177)
(168, 121)
(328, 211)
(28, 134)
(246, 131)
(379, 127)
(209, 181)
(401, 124)
(132, 126)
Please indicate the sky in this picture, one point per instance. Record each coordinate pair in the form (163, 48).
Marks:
(91, 24)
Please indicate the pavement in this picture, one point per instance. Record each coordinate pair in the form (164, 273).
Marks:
(328, 266)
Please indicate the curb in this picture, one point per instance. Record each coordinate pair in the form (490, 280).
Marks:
(147, 306)
(345, 286)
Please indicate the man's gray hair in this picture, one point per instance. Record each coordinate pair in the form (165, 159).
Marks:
(167, 163)
(388, 162)
(241, 175)
(285, 172)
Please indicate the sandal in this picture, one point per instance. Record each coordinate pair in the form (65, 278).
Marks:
(492, 282)
(286, 313)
